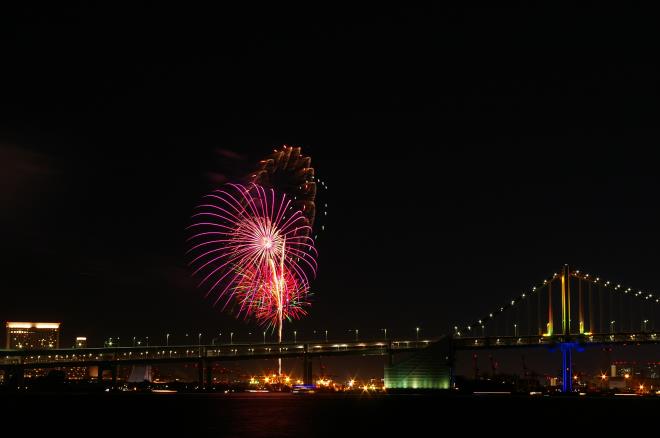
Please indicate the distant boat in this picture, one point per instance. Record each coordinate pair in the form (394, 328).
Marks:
(303, 389)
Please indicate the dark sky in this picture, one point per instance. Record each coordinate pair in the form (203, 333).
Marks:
(469, 153)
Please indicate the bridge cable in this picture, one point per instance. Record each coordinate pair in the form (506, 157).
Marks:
(600, 308)
(538, 314)
(591, 309)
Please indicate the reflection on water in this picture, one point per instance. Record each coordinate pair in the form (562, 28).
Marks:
(312, 415)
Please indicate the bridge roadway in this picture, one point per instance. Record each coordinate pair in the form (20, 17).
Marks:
(596, 339)
(112, 356)
(71, 357)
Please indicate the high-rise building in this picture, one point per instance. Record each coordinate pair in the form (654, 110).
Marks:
(81, 342)
(33, 335)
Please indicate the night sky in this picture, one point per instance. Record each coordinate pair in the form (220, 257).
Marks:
(469, 153)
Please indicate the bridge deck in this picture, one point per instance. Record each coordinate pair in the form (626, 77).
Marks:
(192, 353)
(627, 338)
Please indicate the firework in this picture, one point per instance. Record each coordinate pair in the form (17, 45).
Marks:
(252, 248)
(288, 171)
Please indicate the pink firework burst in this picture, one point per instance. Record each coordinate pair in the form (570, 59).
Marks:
(253, 249)
(272, 296)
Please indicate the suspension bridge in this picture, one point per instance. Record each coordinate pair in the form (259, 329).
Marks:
(569, 311)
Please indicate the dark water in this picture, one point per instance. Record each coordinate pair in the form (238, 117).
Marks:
(290, 415)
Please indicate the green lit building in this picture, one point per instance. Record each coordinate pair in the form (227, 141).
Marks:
(430, 368)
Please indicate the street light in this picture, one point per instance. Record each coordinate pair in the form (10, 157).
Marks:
(515, 330)
(644, 326)
(231, 338)
(147, 341)
(200, 339)
(294, 337)
(134, 341)
(417, 329)
(264, 336)
(167, 339)
(326, 336)
(356, 334)
(385, 330)
(612, 326)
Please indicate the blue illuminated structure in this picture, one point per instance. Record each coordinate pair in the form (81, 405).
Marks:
(567, 365)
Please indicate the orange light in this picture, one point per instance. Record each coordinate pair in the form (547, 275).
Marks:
(19, 325)
(47, 325)
(39, 325)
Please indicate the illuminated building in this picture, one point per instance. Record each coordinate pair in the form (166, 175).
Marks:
(77, 373)
(429, 368)
(33, 335)
(81, 342)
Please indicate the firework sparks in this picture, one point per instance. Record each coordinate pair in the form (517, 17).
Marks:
(252, 248)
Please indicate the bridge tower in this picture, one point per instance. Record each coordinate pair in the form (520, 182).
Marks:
(566, 346)
(307, 367)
